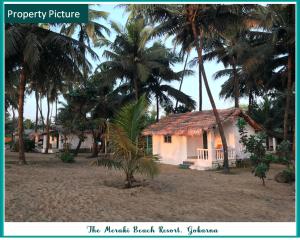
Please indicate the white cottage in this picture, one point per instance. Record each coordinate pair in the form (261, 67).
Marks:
(194, 137)
(58, 139)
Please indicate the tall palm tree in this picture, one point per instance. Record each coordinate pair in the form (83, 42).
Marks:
(87, 33)
(198, 21)
(130, 59)
(35, 51)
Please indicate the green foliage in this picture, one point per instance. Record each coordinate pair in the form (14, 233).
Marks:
(284, 151)
(289, 175)
(260, 171)
(29, 145)
(255, 145)
(67, 157)
(127, 145)
(28, 124)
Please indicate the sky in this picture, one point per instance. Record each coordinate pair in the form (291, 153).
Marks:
(190, 84)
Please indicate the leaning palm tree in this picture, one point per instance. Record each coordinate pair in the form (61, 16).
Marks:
(127, 143)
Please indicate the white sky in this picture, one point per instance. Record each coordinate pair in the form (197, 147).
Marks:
(190, 84)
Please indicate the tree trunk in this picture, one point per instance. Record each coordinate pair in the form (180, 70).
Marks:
(200, 89)
(22, 83)
(95, 145)
(288, 98)
(182, 77)
(36, 111)
(78, 146)
(13, 125)
(236, 84)
(199, 47)
(48, 125)
(157, 108)
(56, 100)
(128, 182)
(250, 102)
(41, 113)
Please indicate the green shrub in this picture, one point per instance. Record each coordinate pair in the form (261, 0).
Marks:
(284, 152)
(29, 145)
(67, 157)
(289, 175)
(260, 171)
(255, 145)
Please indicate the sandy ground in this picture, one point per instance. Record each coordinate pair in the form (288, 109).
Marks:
(49, 190)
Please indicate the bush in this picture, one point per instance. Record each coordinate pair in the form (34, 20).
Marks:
(284, 152)
(286, 176)
(260, 171)
(29, 145)
(67, 157)
(255, 145)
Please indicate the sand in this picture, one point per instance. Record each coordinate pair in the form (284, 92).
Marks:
(48, 190)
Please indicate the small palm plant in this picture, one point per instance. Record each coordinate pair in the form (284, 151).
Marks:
(126, 143)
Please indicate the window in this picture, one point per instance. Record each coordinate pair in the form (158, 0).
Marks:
(149, 144)
(168, 139)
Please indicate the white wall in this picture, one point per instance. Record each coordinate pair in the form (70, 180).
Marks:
(171, 153)
(233, 137)
(183, 146)
(73, 140)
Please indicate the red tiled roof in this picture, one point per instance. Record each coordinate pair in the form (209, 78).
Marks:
(193, 123)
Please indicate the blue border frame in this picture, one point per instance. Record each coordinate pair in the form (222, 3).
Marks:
(2, 168)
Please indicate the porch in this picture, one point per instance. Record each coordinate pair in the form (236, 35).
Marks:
(211, 158)
(205, 151)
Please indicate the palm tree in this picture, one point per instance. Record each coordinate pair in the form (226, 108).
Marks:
(127, 143)
(198, 21)
(87, 33)
(35, 51)
(130, 59)
(156, 85)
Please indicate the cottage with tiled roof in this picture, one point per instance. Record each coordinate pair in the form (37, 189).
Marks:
(193, 137)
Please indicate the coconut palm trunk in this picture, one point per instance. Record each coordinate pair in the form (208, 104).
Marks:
(157, 108)
(182, 77)
(41, 113)
(236, 84)
(48, 125)
(199, 47)
(36, 111)
(22, 83)
(200, 89)
(13, 125)
(56, 100)
(288, 98)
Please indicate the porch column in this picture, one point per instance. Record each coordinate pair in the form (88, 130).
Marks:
(211, 145)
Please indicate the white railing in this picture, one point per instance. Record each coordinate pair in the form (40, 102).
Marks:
(202, 154)
(220, 154)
